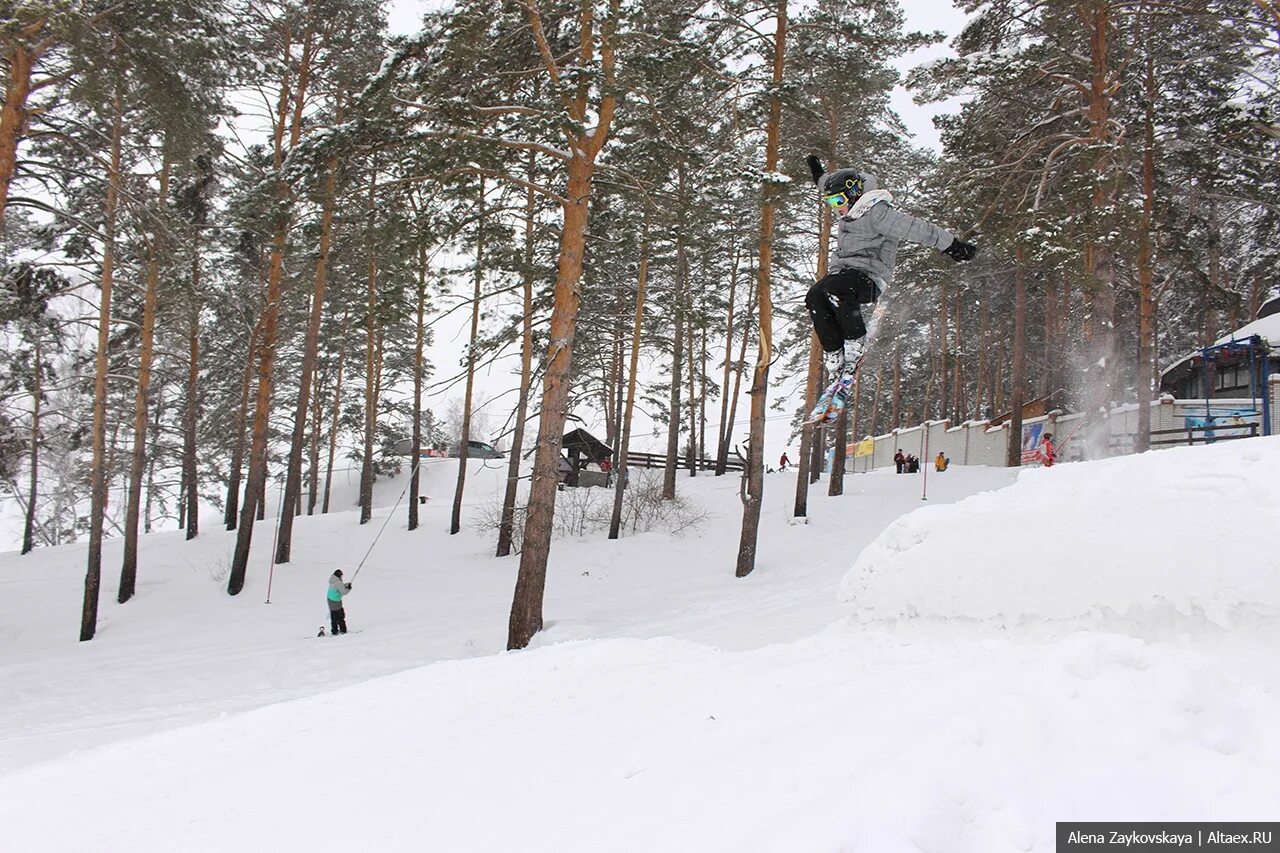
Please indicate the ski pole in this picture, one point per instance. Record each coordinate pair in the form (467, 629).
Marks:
(924, 463)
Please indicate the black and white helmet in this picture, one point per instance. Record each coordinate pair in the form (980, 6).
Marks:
(842, 187)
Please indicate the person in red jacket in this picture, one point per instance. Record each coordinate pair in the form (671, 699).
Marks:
(1047, 456)
(899, 461)
(783, 462)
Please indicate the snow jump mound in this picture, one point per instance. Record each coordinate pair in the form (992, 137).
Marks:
(1188, 534)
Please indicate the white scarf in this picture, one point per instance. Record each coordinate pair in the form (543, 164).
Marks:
(866, 201)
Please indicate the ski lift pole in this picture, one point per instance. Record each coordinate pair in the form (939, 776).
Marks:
(924, 463)
(1258, 386)
(1264, 384)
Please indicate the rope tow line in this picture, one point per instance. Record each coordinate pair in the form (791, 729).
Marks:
(389, 515)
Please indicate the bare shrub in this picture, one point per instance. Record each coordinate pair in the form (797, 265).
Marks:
(488, 519)
(644, 509)
(586, 511)
(578, 511)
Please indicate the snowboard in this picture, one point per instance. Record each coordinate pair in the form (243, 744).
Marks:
(325, 633)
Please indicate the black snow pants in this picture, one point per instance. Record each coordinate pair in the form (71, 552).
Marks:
(833, 306)
(338, 620)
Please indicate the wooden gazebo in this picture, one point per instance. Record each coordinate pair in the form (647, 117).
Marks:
(583, 447)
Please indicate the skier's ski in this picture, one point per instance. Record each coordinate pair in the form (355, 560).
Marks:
(839, 398)
(836, 396)
(819, 411)
(324, 633)
(833, 400)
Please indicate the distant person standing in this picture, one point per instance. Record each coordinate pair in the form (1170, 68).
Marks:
(940, 463)
(1047, 454)
(337, 615)
(899, 461)
(783, 462)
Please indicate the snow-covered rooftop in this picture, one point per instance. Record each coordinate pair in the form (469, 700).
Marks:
(1266, 327)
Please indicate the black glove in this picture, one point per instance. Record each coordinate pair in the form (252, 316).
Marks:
(959, 250)
(815, 168)
(348, 587)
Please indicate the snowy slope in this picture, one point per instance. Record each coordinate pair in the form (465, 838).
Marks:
(183, 651)
(1183, 536)
(670, 706)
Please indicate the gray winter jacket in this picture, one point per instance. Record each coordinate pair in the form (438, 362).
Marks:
(337, 589)
(869, 241)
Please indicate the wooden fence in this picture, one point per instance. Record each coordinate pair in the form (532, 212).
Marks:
(1225, 431)
(656, 460)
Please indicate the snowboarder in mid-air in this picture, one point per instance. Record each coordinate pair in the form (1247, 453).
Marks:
(337, 615)
(866, 246)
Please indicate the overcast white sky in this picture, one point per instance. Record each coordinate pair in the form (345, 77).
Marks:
(450, 335)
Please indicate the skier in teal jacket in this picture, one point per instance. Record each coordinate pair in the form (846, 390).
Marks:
(337, 615)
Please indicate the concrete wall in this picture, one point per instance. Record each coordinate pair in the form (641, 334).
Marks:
(978, 443)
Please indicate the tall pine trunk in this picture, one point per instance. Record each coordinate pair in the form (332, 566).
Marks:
(979, 393)
(619, 390)
(702, 401)
(260, 496)
(857, 404)
(29, 523)
(419, 341)
(310, 347)
(97, 470)
(1146, 300)
(840, 442)
(811, 433)
(149, 487)
(333, 423)
(944, 350)
(146, 350)
(610, 379)
(875, 402)
(506, 528)
(692, 408)
(526, 603)
(255, 489)
(722, 445)
(1099, 254)
(13, 116)
(371, 362)
(895, 413)
(191, 407)
(997, 387)
(455, 521)
(677, 355)
(637, 326)
(1017, 392)
(313, 443)
(957, 383)
(754, 495)
(241, 425)
(739, 367)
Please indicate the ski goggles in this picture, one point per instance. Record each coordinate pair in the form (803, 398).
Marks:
(839, 199)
